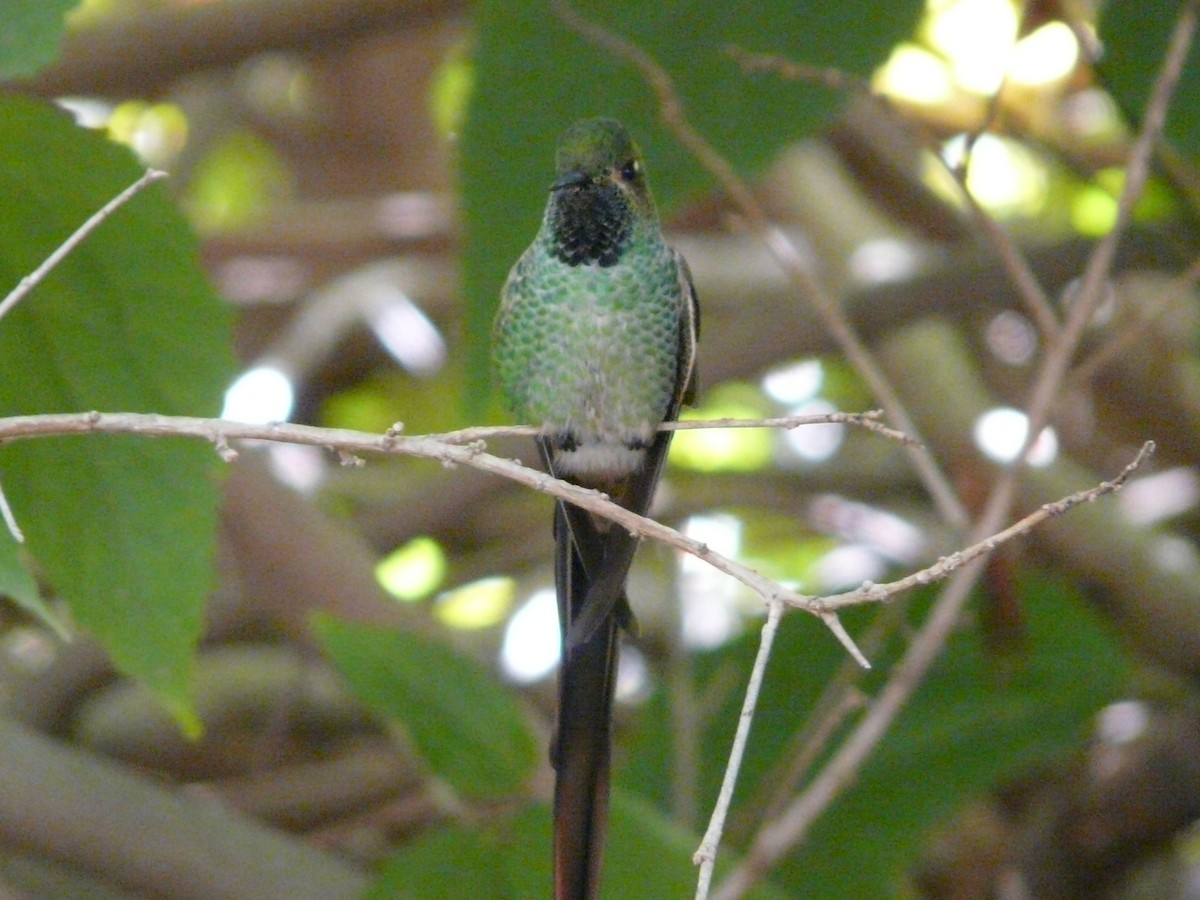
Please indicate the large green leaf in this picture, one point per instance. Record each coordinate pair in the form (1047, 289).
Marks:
(534, 77)
(465, 723)
(968, 726)
(1135, 37)
(645, 857)
(122, 527)
(31, 36)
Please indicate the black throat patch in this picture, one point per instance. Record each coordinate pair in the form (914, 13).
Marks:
(591, 224)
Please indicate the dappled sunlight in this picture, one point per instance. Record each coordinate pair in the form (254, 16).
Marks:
(794, 383)
(414, 570)
(1161, 495)
(1001, 433)
(1011, 337)
(724, 449)
(529, 652)
(976, 37)
(261, 394)
(1044, 56)
(814, 443)
(712, 603)
(883, 533)
(1003, 175)
(477, 604)
(914, 74)
(406, 332)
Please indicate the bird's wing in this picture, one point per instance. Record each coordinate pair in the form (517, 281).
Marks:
(616, 546)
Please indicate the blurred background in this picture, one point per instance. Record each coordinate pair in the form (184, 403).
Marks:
(361, 174)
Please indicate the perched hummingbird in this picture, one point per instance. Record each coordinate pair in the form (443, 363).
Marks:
(595, 342)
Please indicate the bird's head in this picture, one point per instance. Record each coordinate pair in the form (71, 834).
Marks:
(597, 152)
(599, 190)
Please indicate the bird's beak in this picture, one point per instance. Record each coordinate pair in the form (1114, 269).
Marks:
(569, 180)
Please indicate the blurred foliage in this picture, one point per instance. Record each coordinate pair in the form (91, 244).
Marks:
(238, 183)
(467, 727)
(730, 449)
(121, 527)
(647, 856)
(971, 723)
(31, 36)
(1135, 37)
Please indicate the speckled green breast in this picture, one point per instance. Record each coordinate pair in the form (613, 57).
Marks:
(588, 350)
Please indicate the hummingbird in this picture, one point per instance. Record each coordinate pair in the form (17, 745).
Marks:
(595, 342)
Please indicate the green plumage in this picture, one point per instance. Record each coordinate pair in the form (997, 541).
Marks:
(594, 342)
(588, 336)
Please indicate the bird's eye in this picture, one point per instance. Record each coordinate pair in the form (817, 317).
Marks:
(631, 171)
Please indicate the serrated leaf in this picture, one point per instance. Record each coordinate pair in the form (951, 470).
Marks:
(466, 725)
(122, 527)
(32, 35)
(533, 77)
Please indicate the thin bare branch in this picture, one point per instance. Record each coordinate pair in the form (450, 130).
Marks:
(947, 564)
(706, 855)
(10, 521)
(868, 420)
(1090, 292)
(29, 282)
(1128, 337)
(780, 836)
(1016, 265)
(350, 445)
(353, 445)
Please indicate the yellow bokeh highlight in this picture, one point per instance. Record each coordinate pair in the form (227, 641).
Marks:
(976, 37)
(1093, 211)
(414, 570)
(237, 184)
(725, 449)
(1004, 176)
(1045, 56)
(915, 75)
(480, 604)
(451, 89)
(157, 132)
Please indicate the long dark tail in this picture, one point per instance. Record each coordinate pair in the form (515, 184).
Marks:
(582, 746)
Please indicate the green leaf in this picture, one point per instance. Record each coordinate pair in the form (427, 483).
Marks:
(32, 35)
(1135, 37)
(16, 583)
(642, 841)
(967, 727)
(463, 721)
(534, 77)
(451, 863)
(646, 857)
(122, 527)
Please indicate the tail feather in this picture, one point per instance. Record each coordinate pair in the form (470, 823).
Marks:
(582, 747)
